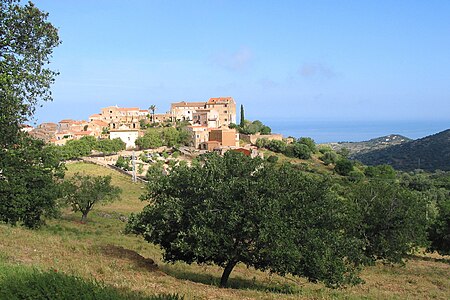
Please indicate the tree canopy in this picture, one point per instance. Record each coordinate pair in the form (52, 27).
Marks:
(82, 192)
(27, 167)
(234, 209)
(27, 40)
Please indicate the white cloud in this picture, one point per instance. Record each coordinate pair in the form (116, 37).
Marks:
(316, 70)
(235, 61)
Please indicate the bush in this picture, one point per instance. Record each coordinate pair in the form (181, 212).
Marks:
(329, 158)
(343, 167)
(276, 146)
(272, 159)
(20, 283)
(301, 151)
(308, 142)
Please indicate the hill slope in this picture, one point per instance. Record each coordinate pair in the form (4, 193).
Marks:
(356, 148)
(429, 153)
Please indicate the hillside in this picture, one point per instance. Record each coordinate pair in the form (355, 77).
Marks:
(356, 148)
(429, 153)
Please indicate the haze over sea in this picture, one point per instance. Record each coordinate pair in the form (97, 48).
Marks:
(354, 131)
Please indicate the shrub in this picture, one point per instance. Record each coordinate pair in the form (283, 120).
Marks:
(272, 159)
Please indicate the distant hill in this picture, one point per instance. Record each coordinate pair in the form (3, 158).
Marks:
(356, 148)
(429, 153)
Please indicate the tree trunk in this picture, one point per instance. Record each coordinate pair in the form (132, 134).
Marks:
(84, 217)
(226, 273)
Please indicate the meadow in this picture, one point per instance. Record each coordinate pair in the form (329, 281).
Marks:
(100, 253)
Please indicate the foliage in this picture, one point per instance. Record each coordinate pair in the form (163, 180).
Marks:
(27, 41)
(439, 231)
(301, 151)
(124, 163)
(309, 142)
(231, 209)
(381, 172)
(82, 192)
(168, 136)
(391, 220)
(108, 146)
(276, 146)
(343, 167)
(20, 283)
(329, 157)
(28, 187)
(242, 123)
(151, 139)
(254, 127)
(272, 159)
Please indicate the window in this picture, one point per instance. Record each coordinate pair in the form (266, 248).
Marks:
(226, 105)
(225, 112)
(226, 120)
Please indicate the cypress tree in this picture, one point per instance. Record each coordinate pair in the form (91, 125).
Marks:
(242, 117)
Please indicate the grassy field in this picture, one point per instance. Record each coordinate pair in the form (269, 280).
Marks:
(98, 250)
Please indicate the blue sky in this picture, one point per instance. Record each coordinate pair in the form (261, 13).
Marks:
(376, 61)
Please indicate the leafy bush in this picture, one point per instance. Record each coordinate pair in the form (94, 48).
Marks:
(18, 283)
(124, 163)
(343, 167)
(329, 157)
(309, 142)
(301, 151)
(272, 159)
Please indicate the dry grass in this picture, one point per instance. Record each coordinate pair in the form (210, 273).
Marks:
(100, 250)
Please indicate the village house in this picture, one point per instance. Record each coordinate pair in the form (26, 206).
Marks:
(214, 113)
(126, 134)
(220, 137)
(182, 111)
(199, 134)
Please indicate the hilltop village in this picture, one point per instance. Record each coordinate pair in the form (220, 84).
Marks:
(208, 124)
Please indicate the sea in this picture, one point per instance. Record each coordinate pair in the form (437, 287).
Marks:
(354, 131)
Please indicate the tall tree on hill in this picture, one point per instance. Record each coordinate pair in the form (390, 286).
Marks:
(152, 108)
(28, 167)
(242, 123)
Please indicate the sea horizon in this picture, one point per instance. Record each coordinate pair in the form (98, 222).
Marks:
(354, 131)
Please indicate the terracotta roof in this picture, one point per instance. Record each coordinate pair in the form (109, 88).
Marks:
(99, 123)
(128, 108)
(67, 121)
(82, 133)
(221, 100)
(95, 115)
(187, 104)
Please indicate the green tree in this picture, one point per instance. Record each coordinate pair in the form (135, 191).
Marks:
(27, 40)
(276, 146)
(82, 192)
(391, 220)
(108, 146)
(152, 108)
(242, 123)
(170, 136)
(329, 157)
(343, 167)
(308, 142)
(27, 167)
(266, 217)
(28, 182)
(439, 231)
(301, 151)
(151, 139)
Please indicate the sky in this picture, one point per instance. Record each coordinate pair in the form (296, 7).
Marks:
(306, 61)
